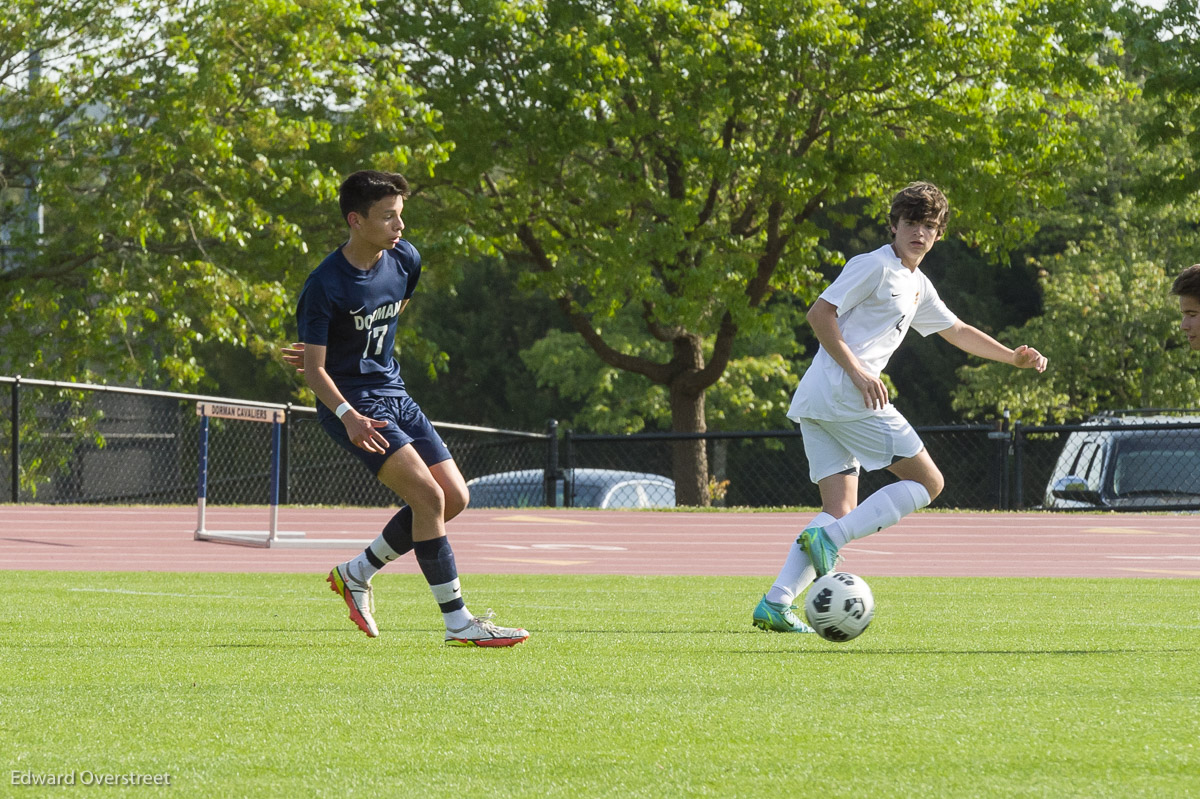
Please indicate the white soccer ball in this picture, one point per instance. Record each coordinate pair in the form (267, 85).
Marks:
(839, 606)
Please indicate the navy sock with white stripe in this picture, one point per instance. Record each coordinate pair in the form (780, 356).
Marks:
(394, 541)
(436, 559)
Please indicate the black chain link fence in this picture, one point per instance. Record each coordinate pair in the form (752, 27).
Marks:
(1114, 462)
(769, 469)
(76, 443)
(79, 444)
(319, 472)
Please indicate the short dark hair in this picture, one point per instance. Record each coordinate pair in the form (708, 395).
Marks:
(365, 188)
(920, 202)
(1188, 282)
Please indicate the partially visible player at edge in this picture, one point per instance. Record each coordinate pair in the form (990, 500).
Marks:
(1187, 288)
(846, 418)
(347, 318)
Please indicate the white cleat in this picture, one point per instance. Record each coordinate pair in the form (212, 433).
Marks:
(359, 598)
(481, 632)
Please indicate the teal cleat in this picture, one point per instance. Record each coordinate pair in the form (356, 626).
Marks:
(821, 551)
(779, 618)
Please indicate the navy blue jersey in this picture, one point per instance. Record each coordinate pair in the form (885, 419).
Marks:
(353, 314)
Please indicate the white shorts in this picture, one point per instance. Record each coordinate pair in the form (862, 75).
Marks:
(875, 442)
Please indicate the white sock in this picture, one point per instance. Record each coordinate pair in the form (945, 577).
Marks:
(797, 571)
(361, 568)
(447, 592)
(457, 619)
(382, 550)
(882, 509)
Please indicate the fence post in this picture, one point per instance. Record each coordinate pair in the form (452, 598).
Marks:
(550, 482)
(16, 440)
(1003, 439)
(1005, 480)
(569, 475)
(1018, 466)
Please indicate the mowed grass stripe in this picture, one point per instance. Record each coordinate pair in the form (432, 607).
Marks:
(259, 686)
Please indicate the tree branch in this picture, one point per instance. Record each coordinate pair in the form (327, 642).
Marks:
(656, 372)
(722, 351)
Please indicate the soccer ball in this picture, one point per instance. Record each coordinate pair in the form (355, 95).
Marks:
(839, 606)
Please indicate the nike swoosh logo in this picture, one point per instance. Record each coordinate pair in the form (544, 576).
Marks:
(895, 295)
(360, 310)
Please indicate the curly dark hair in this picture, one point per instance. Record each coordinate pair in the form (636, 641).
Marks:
(1188, 282)
(920, 202)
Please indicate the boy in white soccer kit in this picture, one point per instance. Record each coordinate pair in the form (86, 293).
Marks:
(842, 406)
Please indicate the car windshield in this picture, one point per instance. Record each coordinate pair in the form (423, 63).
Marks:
(622, 490)
(1162, 463)
(515, 494)
(585, 494)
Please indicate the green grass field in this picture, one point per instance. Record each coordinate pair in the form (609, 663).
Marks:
(259, 686)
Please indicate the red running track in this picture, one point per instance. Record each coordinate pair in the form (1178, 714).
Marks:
(71, 538)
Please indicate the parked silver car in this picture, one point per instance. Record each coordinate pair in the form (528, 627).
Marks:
(1113, 468)
(590, 488)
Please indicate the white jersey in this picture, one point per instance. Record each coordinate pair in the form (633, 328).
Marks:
(878, 299)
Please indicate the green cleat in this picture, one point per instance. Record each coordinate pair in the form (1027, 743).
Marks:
(821, 551)
(779, 618)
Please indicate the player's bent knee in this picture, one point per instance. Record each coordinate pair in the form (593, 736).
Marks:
(457, 500)
(934, 484)
(428, 498)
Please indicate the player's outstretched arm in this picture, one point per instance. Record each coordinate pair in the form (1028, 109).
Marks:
(974, 341)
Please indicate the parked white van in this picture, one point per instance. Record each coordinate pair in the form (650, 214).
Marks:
(1111, 466)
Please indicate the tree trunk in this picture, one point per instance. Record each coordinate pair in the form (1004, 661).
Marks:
(689, 457)
(686, 377)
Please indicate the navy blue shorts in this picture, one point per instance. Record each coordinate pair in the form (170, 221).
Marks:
(406, 424)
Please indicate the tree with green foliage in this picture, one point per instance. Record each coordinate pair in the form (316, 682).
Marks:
(1165, 50)
(467, 329)
(663, 164)
(1108, 257)
(186, 159)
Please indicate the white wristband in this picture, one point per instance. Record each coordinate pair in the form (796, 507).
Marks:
(340, 410)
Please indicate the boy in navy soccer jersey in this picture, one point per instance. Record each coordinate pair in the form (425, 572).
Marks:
(347, 318)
